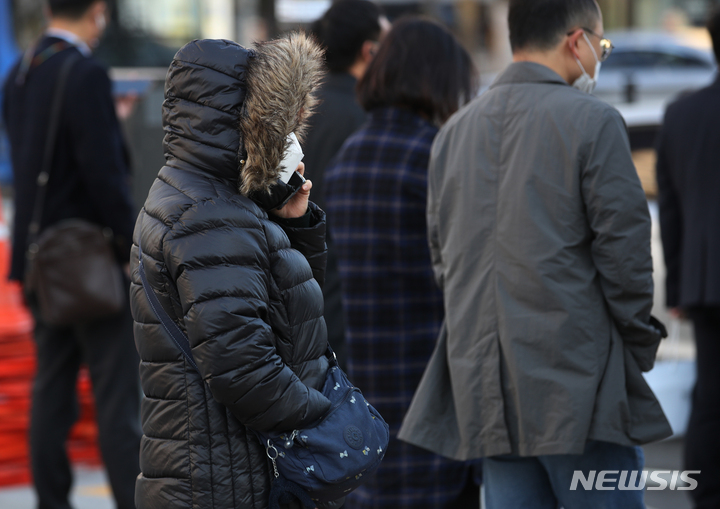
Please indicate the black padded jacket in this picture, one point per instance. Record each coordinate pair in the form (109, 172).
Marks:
(243, 287)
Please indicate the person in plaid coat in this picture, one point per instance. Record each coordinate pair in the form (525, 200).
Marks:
(376, 194)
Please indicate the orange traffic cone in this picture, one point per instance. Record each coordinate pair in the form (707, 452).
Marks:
(14, 317)
(17, 365)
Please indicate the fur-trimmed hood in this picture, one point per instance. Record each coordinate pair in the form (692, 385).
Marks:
(228, 110)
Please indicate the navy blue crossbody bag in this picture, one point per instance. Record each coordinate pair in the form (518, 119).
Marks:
(327, 458)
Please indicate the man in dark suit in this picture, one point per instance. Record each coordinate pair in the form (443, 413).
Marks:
(350, 32)
(89, 179)
(688, 174)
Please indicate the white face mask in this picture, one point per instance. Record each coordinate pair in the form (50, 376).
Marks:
(585, 83)
(100, 22)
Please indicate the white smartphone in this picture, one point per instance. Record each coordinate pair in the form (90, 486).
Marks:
(293, 156)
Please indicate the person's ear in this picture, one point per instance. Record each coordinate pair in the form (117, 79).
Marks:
(368, 51)
(573, 42)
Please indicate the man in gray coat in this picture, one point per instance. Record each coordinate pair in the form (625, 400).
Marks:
(540, 239)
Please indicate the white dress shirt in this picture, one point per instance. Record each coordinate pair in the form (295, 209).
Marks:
(70, 38)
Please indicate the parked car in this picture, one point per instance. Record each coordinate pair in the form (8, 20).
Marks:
(653, 67)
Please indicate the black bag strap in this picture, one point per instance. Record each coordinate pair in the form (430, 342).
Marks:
(53, 122)
(170, 327)
(178, 337)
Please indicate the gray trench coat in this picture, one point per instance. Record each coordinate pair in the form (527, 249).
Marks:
(540, 238)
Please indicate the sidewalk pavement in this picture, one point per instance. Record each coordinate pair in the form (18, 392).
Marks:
(91, 490)
(666, 455)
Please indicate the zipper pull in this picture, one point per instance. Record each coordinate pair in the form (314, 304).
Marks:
(272, 453)
(290, 441)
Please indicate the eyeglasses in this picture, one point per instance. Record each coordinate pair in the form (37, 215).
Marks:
(605, 43)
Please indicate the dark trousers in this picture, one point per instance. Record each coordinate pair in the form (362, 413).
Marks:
(108, 349)
(702, 442)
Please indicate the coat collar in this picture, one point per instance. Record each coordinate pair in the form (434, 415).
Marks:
(70, 38)
(528, 72)
(397, 115)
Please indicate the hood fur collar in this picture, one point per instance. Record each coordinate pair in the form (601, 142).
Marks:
(280, 82)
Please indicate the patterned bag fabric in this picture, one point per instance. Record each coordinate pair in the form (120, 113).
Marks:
(329, 458)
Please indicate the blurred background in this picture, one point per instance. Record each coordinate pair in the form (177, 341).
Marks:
(661, 51)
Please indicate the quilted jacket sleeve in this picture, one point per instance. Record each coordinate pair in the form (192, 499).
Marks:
(310, 240)
(221, 268)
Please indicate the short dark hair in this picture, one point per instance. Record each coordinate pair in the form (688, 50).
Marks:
(73, 9)
(540, 24)
(713, 27)
(421, 66)
(343, 29)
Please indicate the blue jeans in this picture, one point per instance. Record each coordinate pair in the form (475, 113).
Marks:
(543, 482)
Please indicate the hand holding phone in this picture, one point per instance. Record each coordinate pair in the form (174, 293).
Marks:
(298, 203)
(288, 196)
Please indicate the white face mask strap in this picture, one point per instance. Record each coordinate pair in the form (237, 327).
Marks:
(587, 39)
(597, 60)
(586, 83)
(579, 63)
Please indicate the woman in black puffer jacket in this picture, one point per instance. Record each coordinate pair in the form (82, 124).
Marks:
(242, 282)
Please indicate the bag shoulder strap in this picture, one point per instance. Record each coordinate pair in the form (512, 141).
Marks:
(168, 324)
(52, 129)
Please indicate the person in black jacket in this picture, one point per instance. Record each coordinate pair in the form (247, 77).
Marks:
(89, 179)
(688, 175)
(239, 276)
(350, 32)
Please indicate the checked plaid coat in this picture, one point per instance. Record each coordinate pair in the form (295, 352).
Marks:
(376, 194)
